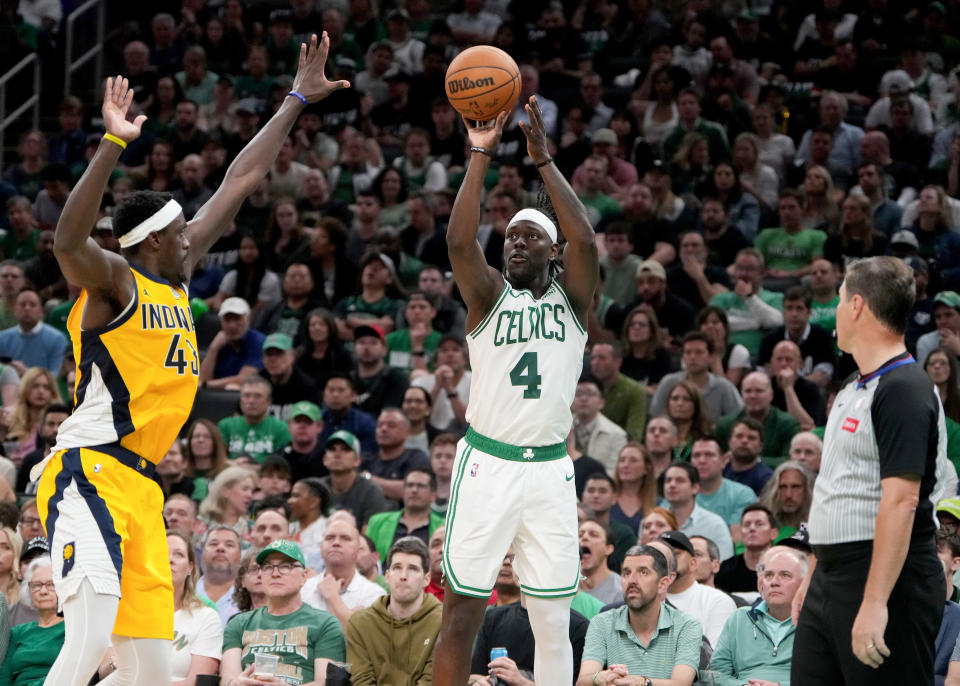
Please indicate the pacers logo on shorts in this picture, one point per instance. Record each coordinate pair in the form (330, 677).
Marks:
(69, 555)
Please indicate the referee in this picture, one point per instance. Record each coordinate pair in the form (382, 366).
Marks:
(871, 606)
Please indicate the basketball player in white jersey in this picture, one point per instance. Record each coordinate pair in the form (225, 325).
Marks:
(513, 480)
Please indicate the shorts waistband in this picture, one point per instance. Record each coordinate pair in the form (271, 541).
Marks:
(129, 458)
(515, 453)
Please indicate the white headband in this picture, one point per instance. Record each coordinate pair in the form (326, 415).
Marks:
(537, 217)
(155, 222)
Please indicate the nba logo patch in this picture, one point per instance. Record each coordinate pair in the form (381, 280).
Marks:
(850, 424)
(474, 468)
(69, 555)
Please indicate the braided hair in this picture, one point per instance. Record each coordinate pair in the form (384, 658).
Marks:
(545, 205)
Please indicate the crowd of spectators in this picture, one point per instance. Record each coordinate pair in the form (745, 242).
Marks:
(733, 157)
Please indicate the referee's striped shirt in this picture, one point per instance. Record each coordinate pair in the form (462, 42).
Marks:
(884, 424)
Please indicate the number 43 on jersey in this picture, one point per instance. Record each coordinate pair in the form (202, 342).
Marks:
(180, 349)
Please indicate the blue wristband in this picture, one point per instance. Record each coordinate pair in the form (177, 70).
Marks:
(299, 96)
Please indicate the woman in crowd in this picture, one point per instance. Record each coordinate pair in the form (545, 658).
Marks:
(248, 591)
(323, 352)
(857, 238)
(162, 109)
(197, 627)
(690, 167)
(645, 358)
(658, 108)
(231, 493)
(729, 361)
(776, 149)
(286, 236)
(939, 243)
(686, 410)
(10, 546)
(158, 172)
(250, 280)
(38, 388)
(943, 370)
(391, 187)
(417, 406)
(657, 521)
(636, 485)
(206, 454)
(35, 645)
(334, 276)
(172, 473)
(742, 207)
(820, 209)
(756, 178)
(309, 503)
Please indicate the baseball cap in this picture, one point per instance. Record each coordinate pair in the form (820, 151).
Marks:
(368, 330)
(234, 305)
(948, 298)
(284, 547)
(305, 408)
(35, 547)
(905, 238)
(281, 16)
(799, 541)
(346, 64)
(652, 267)
(247, 106)
(278, 341)
(604, 136)
(951, 506)
(397, 75)
(678, 540)
(399, 13)
(104, 224)
(344, 436)
(918, 264)
(748, 15)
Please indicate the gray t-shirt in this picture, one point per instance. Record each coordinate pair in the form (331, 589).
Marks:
(609, 590)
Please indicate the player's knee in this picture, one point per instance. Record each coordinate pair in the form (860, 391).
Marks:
(549, 619)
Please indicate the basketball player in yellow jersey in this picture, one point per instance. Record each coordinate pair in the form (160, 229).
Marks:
(513, 478)
(137, 370)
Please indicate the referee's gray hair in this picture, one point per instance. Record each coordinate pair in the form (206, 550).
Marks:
(887, 285)
(35, 564)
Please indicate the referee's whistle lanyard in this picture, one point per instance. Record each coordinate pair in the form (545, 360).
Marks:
(864, 380)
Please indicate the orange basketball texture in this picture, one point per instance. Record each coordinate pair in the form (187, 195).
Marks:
(483, 81)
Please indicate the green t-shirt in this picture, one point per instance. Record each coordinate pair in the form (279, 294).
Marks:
(57, 318)
(31, 653)
(825, 314)
(782, 250)
(297, 638)
(728, 501)
(600, 207)
(740, 317)
(355, 305)
(779, 428)
(14, 249)
(586, 604)
(258, 440)
(400, 349)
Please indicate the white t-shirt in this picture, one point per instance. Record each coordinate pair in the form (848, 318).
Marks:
(195, 632)
(359, 593)
(310, 540)
(442, 416)
(710, 606)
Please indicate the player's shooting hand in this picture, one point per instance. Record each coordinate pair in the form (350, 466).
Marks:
(535, 131)
(310, 79)
(117, 97)
(486, 134)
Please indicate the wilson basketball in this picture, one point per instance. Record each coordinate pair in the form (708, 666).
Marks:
(483, 81)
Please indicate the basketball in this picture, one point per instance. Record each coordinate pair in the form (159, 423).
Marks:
(483, 81)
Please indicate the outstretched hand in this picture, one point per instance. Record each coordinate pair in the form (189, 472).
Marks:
(311, 80)
(486, 134)
(117, 97)
(535, 131)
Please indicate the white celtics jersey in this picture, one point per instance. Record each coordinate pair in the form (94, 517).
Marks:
(526, 357)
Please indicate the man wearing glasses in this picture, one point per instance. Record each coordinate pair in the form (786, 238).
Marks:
(304, 638)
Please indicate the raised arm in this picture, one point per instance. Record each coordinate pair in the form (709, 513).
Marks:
(580, 260)
(254, 160)
(83, 262)
(479, 283)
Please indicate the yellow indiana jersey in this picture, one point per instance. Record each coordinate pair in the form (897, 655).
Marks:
(137, 376)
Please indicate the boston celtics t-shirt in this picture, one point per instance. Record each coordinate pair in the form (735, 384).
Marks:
(298, 638)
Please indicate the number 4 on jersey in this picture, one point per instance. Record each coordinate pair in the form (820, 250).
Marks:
(525, 374)
(176, 359)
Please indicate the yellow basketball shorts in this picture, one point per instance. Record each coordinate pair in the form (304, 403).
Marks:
(103, 514)
(501, 495)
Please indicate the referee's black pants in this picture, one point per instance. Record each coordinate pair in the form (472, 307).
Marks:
(822, 652)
